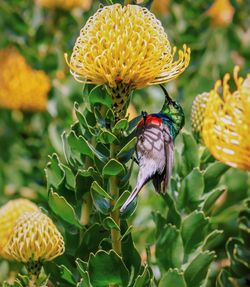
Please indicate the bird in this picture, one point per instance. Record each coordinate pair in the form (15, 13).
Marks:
(155, 146)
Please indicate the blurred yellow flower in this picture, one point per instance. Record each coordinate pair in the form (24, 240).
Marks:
(35, 238)
(197, 113)
(160, 6)
(65, 4)
(125, 47)
(9, 213)
(226, 127)
(221, 13)
(20, 86)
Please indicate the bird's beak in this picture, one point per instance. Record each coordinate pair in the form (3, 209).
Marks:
(167, 97)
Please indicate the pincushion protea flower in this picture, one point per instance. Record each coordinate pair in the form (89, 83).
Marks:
(9, 213)
(226, 127)
(124, 48)
(197, 113)
(35, 239)
(65, 4)
(21, 87)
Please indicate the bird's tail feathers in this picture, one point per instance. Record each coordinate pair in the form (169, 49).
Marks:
(133, 194)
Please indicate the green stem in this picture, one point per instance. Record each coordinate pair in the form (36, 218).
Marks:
(115, 215)
(85, 212)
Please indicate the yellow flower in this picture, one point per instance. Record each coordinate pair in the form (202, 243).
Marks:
(9, 213)
(35, 238)
(65, 4)
(197, 113)
(226, 127)
(20, 86)
(160, 6)
(125, 47)
(221, 13)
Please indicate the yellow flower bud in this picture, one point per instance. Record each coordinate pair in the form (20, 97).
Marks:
(198, 111)
(35, 238)
(9, 213)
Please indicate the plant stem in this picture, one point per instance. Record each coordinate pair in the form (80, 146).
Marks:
(115, 215)
(85, 212)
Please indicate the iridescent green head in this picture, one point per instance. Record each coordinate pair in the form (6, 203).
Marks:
(174, 112)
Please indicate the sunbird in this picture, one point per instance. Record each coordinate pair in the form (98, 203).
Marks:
(155, 146)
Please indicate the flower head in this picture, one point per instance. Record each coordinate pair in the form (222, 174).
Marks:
(35, 238)
(198, 111)
(65, 4)
(125, 47)
(226, 127)
(9, 213)
(20, 86)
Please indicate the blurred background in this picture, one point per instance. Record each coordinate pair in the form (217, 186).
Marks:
(35, 107)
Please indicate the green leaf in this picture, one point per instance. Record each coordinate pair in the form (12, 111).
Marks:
(193, 230)
(190, 152)
(239, 256)
(129, 146)
(169, 247)
(69, 177)
(91, 172)
(223, 279)
(211, 197)
(100, 203)
(109, 223)
(213, 174)
(67, 150)
(191, 190)
(83, 121)
(142, 280)
(131, 256)
(99, 95)
(106, 137)
(173, 278)
(173, 215)
(130, 208)
(79, 144)
(82, 269)
(67, 275)
(206, 157)
(113, 167)
(123, 197)
(196, 272)
(95, 187)
(133, 124)
(110, 115)
(91, 240)
(120, 125)
(106, 268)
(63, 209)
(54, 172)
(55, 137)
(128, 231)
(212, 240)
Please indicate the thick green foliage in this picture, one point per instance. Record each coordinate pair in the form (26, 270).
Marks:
(189, 233)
